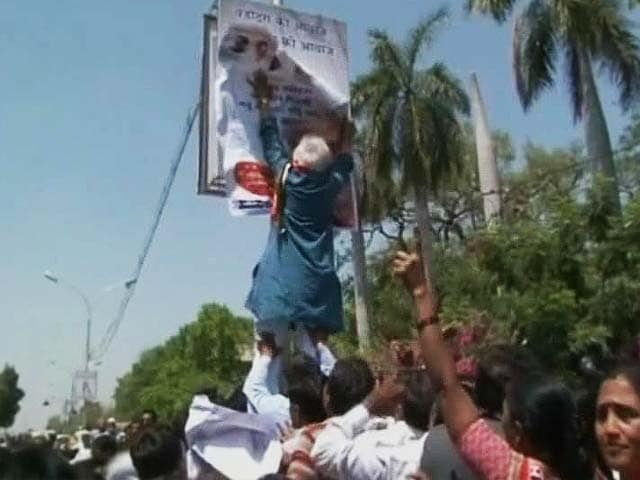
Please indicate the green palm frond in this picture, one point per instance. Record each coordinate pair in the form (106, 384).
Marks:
(439, 83)
(367, 90)
(423, 34)
(408, 148)
(571, 18)
(380, 154)
(498, 9)
(380, 193)
(534, 51)
(410, 115)
(617, 48)
(379, 196)
(574, 78)
(447, 149)
(388, 55)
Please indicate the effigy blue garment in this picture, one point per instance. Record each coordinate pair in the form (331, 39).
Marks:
(295, 280)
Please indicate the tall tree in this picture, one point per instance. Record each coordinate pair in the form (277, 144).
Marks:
(411, 114)
(206, 354)
(584, 32)
(10, 396)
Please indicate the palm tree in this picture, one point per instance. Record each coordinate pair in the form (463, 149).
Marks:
(414, 138)
(584, 32)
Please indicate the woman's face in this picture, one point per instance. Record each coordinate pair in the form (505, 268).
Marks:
(618, 425)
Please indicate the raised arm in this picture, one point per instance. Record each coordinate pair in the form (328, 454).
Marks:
(258, 395)
(459, 411)
(275, 154)
(342, 168)
(343, 165)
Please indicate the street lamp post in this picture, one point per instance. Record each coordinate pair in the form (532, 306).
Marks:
(89, 313)
(87, 348)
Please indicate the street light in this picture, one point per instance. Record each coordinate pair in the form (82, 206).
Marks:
(50, 276)
(56, 279)
(89, 309)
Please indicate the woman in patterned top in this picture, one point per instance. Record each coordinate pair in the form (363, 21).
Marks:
(539, 421)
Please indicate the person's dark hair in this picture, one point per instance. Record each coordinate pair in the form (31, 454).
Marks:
(630, 371)
(237, 400)
(307, 395)
(212, 393)
(419, 399)
(5, 460)
(105, 446)
(349, 383)
(303, 366)
(135, 422)
(497, 366)
(305, 382)
(273, 476)
(36, 463)
(630, 353)
(157, 451)
(178, 423)
(546, 411)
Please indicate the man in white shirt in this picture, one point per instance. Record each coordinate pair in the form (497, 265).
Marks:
(262, 393)
(344, 450)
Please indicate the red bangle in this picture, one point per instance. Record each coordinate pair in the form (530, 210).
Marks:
(425, 322)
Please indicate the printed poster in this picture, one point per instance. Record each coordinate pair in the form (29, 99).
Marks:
(306, 60)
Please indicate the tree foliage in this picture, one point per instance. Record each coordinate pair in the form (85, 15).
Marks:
(560, 274)
(10, 396)
(204, 354)
(547, 30)
(576, 35)
(413, 139)
(410, 113)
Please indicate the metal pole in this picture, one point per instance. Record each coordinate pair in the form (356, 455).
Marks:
(89, 320)
(87, 347)
(87, 304)
(359, 273)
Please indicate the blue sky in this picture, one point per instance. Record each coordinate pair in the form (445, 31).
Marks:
(93, 96)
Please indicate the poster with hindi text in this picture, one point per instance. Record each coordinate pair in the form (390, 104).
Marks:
(306, 60)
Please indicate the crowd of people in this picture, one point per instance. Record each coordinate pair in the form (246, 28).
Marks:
(302, 413)
(338, 419)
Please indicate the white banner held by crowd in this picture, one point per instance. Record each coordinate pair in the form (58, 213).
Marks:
(306, 60)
